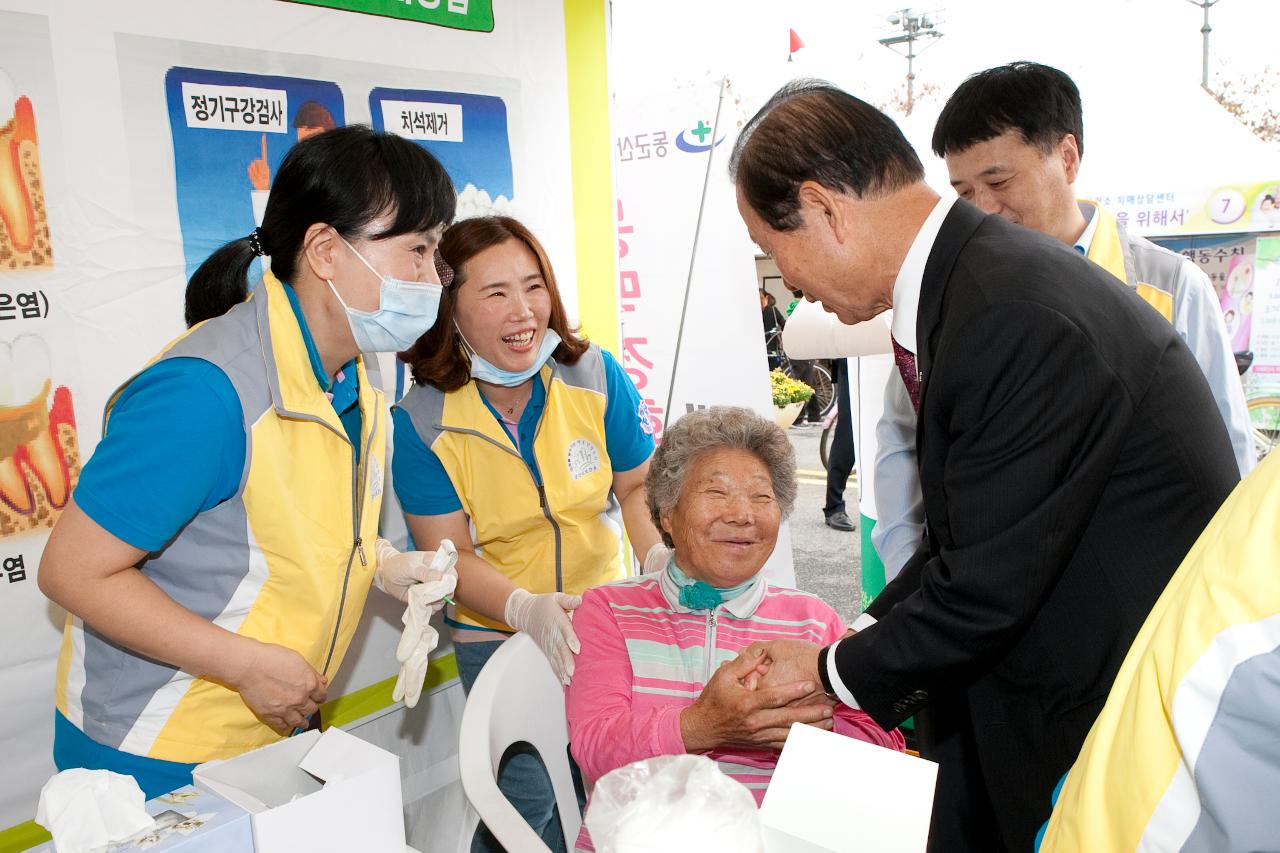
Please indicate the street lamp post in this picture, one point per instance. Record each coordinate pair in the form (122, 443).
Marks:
(915, 26)
(1204, 31)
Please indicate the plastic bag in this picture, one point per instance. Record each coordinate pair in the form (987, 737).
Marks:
(672, 802)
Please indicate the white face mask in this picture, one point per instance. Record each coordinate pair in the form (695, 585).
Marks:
(487, 371)
(406, 311)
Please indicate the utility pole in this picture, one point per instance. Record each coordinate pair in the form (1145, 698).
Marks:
(915, 26)
(1204, 31)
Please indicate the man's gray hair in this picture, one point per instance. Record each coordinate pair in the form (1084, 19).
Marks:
(718, 428)
(812, 131)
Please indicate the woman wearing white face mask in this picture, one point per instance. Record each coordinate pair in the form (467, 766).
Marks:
(222, 539)
(520, 431)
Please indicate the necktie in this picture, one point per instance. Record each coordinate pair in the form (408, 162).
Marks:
(910, 376)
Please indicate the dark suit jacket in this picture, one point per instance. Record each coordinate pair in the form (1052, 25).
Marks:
(1070, 453)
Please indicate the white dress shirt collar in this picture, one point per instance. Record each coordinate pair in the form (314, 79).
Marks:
(906, 288)
(1089, 210)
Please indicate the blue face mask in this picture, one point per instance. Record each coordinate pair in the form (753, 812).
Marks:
(406, 311)
(487, 371)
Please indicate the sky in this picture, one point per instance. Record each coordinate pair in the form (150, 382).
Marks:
(1137, 63)
(1135, 43)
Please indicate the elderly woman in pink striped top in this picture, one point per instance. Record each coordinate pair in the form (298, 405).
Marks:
(661, 670)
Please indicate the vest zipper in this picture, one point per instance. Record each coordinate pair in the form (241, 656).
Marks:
(555, 530)
(357, 542)
(542, 491)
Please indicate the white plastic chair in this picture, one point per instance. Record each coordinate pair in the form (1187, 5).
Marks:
(516, 698)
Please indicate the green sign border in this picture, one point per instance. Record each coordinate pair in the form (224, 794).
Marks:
(478, 17)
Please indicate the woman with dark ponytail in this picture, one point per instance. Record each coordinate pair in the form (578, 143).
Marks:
(221, 541)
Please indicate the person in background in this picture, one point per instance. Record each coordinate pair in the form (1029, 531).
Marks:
(527, 447)
(660, 672)
(774, 323)
(221, 542)
(840, 458)
(1013, 139)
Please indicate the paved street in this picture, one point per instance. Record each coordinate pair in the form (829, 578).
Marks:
(828, 562)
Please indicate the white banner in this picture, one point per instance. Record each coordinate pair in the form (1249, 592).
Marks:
(662, 147)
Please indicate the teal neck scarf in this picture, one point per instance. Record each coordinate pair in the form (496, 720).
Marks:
(700, 595)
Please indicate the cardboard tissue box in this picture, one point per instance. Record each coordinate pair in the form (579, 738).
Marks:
(317, 792)
(835, 794)
(188, 821)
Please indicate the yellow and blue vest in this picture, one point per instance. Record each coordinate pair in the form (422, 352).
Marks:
(1185, 754)
(558, 531)
(1152, 276)
(287, 560)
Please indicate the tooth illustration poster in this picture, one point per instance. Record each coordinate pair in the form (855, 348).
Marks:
(39, 448)
(230, 132)
(24, 223)
(467, 133)
(124, 164)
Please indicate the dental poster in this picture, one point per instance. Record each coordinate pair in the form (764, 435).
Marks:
(40, 455)
(466, 133)
(230, 132)
(137, 137)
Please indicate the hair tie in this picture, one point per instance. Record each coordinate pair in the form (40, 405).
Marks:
(255, 243)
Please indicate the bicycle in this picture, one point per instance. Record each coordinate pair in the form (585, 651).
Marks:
(1264, 413)
(816, 375)
(828, 434)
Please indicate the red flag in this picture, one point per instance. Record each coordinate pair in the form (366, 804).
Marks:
(796, 44)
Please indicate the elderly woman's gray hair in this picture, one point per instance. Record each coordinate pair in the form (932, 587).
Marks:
(718, 428)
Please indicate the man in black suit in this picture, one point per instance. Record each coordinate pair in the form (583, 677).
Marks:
(1069, 447)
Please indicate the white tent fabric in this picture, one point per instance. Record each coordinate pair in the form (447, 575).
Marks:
(1162, 138)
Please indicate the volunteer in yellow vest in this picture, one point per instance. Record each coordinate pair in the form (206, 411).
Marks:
(1013, 138)
(528, 447)
(223, 537)
(1184, 756)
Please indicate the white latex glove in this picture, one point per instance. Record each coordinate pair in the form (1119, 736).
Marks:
(545, 617)
(419, 639)
(656, 560)
(396, 572)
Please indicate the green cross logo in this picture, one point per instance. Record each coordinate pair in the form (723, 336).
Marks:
(701, 132)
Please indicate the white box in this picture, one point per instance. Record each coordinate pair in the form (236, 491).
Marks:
(314, 792)
(835, 794)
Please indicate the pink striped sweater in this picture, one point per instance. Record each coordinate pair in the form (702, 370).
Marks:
(645, 658)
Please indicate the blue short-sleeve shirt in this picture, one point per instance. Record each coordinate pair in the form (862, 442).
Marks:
(183, 415)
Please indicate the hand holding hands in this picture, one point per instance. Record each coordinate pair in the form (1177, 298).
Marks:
(731, 711)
